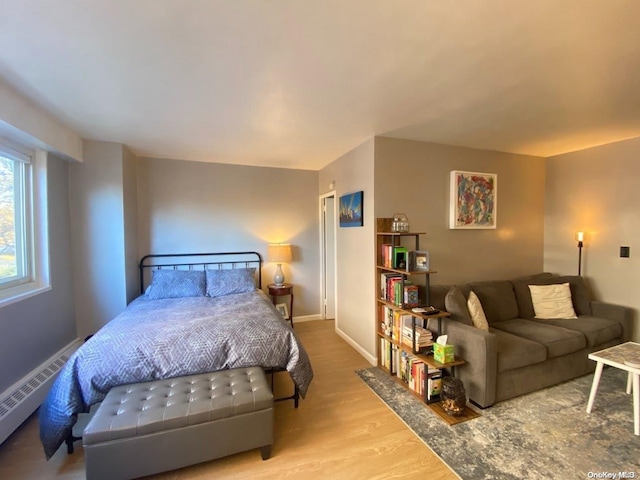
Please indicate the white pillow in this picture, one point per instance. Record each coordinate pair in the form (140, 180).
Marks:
(478, 317)
(552, 301)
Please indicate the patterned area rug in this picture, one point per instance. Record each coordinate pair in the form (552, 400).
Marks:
(545, 434)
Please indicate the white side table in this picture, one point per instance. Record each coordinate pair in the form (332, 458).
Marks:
(625, 357)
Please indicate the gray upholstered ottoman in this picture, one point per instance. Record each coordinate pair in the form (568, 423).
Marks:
(162, 425)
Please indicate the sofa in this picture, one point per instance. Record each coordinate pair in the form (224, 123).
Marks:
(520, 353)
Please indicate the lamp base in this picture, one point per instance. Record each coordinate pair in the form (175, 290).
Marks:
(278, 278)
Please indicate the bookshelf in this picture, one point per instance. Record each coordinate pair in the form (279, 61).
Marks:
(405, 338)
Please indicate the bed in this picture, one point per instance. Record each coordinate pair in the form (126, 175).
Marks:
(196, 313)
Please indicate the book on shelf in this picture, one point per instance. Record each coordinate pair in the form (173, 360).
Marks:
(399, 259)
(389, 355)
(387, 250)
(411, 297)
(411, 371)
(423, 336)
(434, 384)
(387, 285)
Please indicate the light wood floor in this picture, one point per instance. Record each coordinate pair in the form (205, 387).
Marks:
(342, 430)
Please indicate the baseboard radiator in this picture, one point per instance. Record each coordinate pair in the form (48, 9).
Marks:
(20, 400)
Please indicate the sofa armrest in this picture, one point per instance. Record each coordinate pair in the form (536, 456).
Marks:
(479, 349)
(624, 315)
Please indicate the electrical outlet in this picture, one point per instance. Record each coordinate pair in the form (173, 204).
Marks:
(624, 252)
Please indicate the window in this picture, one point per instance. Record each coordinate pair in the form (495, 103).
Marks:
(23, 258)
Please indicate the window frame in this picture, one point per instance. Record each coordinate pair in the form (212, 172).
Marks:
(34, 228)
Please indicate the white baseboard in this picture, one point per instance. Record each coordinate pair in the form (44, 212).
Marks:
(371, 359)
(22, 398)
(306, 318)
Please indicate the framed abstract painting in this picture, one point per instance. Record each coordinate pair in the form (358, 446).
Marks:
(473, 202)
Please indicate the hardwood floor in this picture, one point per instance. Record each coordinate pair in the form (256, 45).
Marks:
(342, 430)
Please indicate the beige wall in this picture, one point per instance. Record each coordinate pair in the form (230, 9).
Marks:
(97, 204)
(130, 199)
(596, 191)
(35, 328)
(355, 302)
(208, 207)
(413, 177)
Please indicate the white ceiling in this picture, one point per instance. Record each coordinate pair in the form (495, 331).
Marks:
(298, 83)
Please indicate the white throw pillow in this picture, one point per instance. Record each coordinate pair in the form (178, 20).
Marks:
(478, 317)
(552, 301)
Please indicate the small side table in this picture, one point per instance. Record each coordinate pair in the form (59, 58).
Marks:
(286, 289)
(625, 357)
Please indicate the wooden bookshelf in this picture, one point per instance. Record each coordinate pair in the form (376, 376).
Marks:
(391, 352)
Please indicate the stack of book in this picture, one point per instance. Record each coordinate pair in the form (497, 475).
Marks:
(424, 337)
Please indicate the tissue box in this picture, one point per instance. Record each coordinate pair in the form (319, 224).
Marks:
(443, 353)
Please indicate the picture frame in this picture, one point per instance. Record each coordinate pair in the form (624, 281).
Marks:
(473, 200)
(350, 210)
(418, 261)
(283, 309)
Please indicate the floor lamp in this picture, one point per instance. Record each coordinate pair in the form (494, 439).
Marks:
(580, 240)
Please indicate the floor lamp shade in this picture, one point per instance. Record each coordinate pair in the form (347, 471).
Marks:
(279, 253)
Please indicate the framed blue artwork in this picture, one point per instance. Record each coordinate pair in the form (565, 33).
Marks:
(351, 210)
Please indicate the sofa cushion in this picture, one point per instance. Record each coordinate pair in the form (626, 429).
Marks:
(558, 341)
(552, 301)
(498, 300)
(515, 352)
(597, 331)
(478, 318)
(579, 293)
(456, 305)
(437, 294)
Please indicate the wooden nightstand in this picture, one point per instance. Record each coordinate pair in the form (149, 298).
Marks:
(286, 289)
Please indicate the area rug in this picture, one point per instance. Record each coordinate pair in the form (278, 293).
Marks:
(545, 434)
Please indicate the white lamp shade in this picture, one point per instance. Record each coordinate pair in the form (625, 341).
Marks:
(279, 253)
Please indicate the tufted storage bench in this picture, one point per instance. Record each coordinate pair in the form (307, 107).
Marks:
(146, 428)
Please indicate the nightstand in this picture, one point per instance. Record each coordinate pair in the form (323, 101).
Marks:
(286, 289)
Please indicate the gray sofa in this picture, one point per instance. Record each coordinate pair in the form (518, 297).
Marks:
(520, 354)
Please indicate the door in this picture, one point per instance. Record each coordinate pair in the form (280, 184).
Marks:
(328, 255)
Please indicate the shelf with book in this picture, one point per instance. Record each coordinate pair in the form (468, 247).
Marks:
(405, 337)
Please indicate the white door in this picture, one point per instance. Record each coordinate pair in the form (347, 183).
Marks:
(328, 256)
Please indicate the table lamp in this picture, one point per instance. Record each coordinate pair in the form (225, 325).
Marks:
(279, 253)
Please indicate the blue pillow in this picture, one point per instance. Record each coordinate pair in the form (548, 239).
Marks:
(177, 284)
(227, 282)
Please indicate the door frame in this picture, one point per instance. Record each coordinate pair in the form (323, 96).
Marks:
(323, 254)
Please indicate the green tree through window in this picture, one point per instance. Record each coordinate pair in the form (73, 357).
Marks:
(8, 266)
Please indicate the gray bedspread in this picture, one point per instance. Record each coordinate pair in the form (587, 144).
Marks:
(155, 339)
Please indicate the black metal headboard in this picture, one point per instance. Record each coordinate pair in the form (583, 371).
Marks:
(199, 261)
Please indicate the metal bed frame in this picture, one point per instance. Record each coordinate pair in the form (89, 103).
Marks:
(204, 261)
(198, 261)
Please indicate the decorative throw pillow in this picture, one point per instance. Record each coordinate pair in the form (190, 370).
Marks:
(227, 282)
(456, 305)
(552, 301)
(476, 312)
(176, 284)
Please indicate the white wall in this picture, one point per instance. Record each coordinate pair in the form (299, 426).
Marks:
(27, 122)
(596, 191)
(211, 207)
(355, 251)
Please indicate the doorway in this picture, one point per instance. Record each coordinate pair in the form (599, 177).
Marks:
(328, 282)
